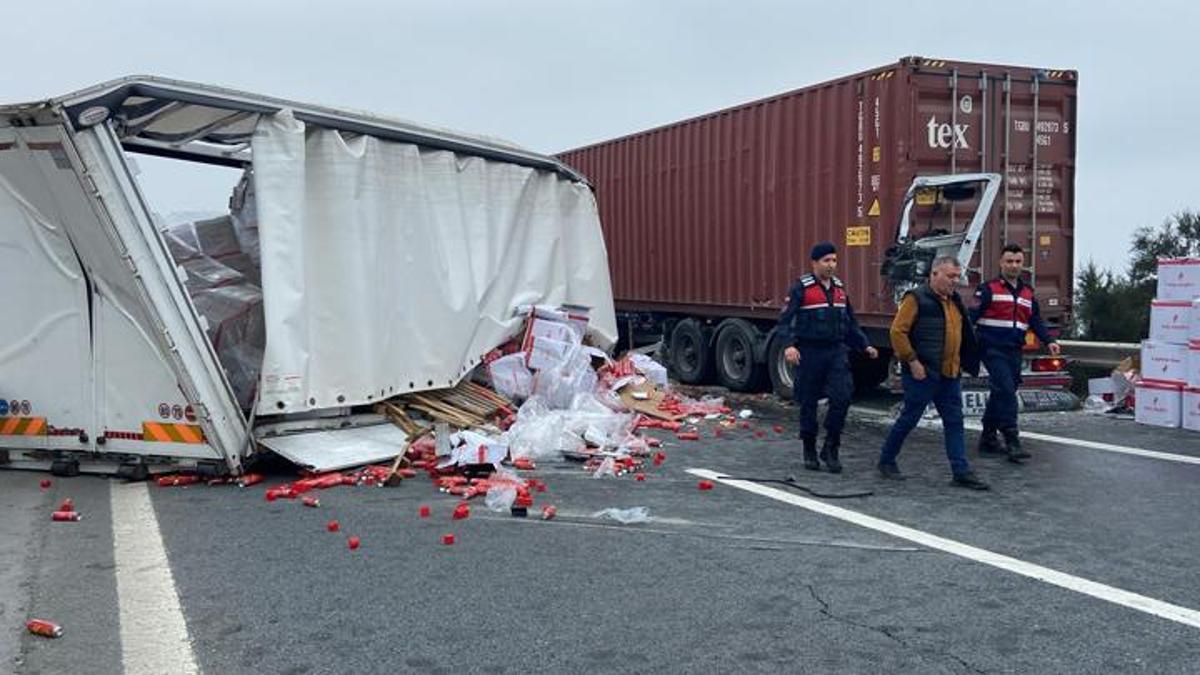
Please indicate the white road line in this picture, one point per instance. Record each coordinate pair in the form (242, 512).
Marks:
(154, 636)
(1142, 603)
(883, 417)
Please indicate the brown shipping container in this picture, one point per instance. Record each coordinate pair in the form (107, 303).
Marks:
(714, 216)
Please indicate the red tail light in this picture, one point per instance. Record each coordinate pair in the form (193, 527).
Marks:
(1051, 364)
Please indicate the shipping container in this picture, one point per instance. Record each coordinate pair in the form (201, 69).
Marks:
(709, 220)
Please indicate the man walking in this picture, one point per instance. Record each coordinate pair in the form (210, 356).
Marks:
(935, 344)
(1005, 309)
(820, 323)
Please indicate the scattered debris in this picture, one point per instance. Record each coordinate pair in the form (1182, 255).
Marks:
(546, 396)
(44, 628)
(637, 514)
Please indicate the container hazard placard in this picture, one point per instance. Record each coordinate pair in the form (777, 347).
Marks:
(858, 235)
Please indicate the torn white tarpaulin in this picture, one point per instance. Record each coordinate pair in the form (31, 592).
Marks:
(390, 268)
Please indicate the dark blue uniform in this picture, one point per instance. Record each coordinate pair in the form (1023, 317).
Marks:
(1002, 314)
(820, 323)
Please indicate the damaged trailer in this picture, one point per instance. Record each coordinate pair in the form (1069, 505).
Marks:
(386, 258)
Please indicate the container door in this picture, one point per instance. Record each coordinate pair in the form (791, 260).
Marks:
(1019, 123)
(1035, 136)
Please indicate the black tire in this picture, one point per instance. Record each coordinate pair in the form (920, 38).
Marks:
(870, 373)
(780, 371)
(691, 355)
(736, 368)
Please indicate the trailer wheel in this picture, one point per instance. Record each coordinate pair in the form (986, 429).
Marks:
(691, 355)
(870, 373)
(779, 369)
(735, 365)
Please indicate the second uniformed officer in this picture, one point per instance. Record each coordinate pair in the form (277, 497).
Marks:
(820, 323)
(1006, 308)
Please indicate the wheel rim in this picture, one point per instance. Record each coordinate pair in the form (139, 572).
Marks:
(735, 359)
(689, 354)
(784, 370)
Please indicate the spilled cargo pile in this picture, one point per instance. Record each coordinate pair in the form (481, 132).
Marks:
(546, 396)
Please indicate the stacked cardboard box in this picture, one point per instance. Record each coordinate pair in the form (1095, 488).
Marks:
(1169, 393)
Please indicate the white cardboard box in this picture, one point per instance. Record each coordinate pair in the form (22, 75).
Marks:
(1158, 403)
(547, 353)
(1194, 322)
(1191, 408)
(577, 318)
(546, 331)
(1102, 387)
(1193, 364)
(1164, 361)
(1170, 320)
(1178, 278)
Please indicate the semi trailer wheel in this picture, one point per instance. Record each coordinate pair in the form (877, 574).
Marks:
(779, 369)
(735, 364)
(691, 355)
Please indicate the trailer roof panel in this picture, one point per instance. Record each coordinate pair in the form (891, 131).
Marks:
(208, 123)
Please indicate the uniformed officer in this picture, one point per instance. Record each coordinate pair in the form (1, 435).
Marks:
(820, 323)
(1005, 309)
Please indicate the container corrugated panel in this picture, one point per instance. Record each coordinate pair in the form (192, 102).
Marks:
(715, 215)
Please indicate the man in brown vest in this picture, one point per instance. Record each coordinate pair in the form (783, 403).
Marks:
(934, 341)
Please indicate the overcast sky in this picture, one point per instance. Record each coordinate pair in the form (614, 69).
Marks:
(556, 75)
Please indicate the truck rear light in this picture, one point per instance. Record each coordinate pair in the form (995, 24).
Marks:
(1049, 364)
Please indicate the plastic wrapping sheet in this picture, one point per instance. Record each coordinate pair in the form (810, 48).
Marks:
(390, 267)
(221, 280)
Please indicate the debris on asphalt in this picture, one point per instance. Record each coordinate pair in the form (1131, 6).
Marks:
(44, 628)
(66, 516)
(250, 479)
(636, 514)
(545, 396)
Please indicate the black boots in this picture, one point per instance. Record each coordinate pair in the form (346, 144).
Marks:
(810, 453)
(829, 454)
(1012, 443)
(969, 480)
(989, 442)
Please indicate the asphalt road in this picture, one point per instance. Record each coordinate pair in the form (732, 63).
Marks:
(721, 580)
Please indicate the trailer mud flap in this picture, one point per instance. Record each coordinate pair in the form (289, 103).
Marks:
(340, 448)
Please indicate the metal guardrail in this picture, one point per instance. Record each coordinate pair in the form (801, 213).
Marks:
(1099, 354)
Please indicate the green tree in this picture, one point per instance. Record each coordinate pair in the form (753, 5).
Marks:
(1177, 237)
(1108, 307)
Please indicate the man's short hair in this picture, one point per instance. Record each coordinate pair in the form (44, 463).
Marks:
(944, 260)
(1012, 248)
